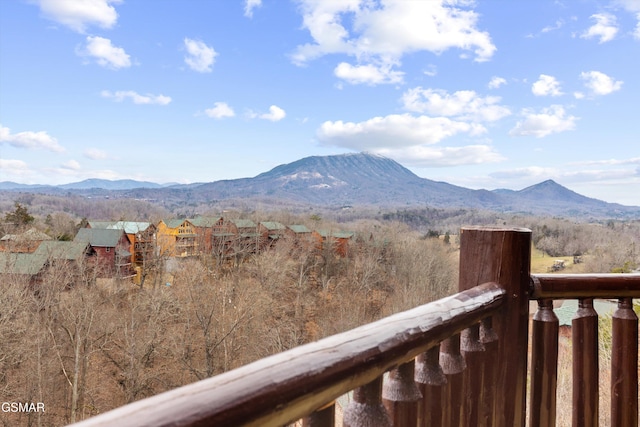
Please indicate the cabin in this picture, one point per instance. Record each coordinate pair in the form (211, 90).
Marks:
(204, 228)
(338, 241)
(270, 232)
(26, 242)
(247, 238)
(31, 267)
(141, 235)
(112, 250)
(300, 235)
(177, 238)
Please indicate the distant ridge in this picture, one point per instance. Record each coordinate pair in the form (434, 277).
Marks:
(106, 184)
(356, 179)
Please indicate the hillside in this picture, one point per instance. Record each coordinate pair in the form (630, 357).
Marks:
(352, 179)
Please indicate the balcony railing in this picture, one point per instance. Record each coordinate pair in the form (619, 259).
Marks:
(458, 361)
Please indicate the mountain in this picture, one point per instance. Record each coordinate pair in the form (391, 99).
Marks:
(355, 179)
(369, 179)
(87, 184)
(347, 179)
(106, 184)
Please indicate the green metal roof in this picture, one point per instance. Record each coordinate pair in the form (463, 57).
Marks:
(21, 263)
(100, 224)
(99, 237)
(336, 234)
(62, 250)
(299, 228)
(272, 225)
(243, 223)
(129, 227)
(173, 222)
(204, 221)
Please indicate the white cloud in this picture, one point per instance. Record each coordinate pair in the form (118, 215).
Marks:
(558, 24)
(275, 114)
(431, 70)
(71, 165)
(95, 154)
(431, 156)
(464, 104)
(220, 110)
(249, 6)
(599, 83)
(104, 53)
(605, 28)
(546, 86)
(136, 98)
(536, 172)
(79, 14)
(551, 120)
(393, 132)
(496, 82)
(383, 32)
(411, 140)
(367, 74)
(30, 140)
(632, 6)
(14, 167)
(610, 162)
(200, 57)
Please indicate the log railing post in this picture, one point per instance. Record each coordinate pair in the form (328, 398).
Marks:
(453, 366)
(502, 255)
(624, 366)
(400, 395)
(430, 380)
(367, 409)
(544, 365)
(584, 335)
(473, 376)
(489, 340)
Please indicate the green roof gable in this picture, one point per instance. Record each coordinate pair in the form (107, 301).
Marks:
(99, 237)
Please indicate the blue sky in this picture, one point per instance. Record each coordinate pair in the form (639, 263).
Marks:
(482, 94)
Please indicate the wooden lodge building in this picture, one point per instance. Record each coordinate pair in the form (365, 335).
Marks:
(121, 249)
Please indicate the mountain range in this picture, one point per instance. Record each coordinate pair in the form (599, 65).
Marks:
(350, 180)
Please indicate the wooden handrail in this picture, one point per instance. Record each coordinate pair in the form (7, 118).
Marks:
(575, 286)
(287, 386)
(490, 313)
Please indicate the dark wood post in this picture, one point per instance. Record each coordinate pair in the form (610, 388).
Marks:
(584, 334)
(322, 417)
(624, 366)
(366, 409)
(430, 380)
(544, 365)
(474, 356)
(453, 365)
(502, 255)
(489, 340)
(400, 395)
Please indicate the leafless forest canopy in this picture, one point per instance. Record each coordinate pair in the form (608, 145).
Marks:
(88, 346)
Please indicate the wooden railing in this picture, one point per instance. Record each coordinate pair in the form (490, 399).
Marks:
(459, 361)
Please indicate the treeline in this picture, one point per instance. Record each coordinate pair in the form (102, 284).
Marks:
(89, 346)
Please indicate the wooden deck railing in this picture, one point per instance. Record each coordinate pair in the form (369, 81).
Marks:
(458, 361)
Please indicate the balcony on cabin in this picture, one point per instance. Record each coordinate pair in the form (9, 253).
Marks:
(459, 361)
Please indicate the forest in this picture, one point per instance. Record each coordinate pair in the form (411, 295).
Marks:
(89, 346)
